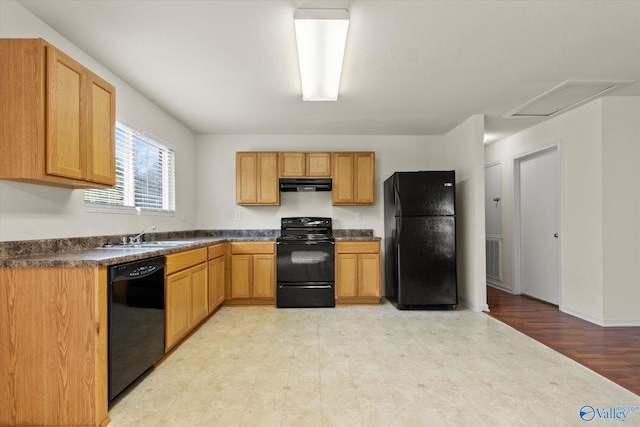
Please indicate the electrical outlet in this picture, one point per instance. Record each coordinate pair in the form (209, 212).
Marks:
(358, 216)
(237, 216)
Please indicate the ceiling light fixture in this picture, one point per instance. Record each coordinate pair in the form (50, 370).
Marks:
(321, 35)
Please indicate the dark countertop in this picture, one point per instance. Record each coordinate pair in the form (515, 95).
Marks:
(358, 239)
(96, 257)
(88, 253)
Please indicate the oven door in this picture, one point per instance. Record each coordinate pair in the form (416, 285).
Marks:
(305, 274)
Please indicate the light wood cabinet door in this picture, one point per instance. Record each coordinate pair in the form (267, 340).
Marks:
(342, 192)
(221, 280)
(318, 164)
(53, 346)
(264, 276)
(66, 117)
(364, 178)
(369, 275)
(246, 178)
(199, 294)
(257, 178)
(216, 282)
(217, 274)
(268, 188)
(346, 275)
(177, 302)
(241, 276)
(213, 284)
(101, 125)
(292, 165)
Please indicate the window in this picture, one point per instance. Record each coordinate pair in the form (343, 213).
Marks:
(145, 177)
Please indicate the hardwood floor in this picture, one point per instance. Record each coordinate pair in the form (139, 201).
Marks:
(612, 352)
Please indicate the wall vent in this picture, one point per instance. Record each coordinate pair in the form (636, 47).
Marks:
(494, 258)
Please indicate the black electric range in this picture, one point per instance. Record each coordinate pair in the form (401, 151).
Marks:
(305, 263)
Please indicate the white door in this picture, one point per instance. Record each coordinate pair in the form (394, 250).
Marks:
(539, 204)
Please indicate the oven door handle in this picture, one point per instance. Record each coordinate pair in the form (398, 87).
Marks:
(306, 286)
(303, 242)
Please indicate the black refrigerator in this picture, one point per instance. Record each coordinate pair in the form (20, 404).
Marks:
(420, 240)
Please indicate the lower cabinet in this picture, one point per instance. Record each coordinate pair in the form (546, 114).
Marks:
(253, 273)
(186, 293)
(217, 275)
(358, 272)
(53, 346)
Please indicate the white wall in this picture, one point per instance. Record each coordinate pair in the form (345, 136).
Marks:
(460, 150)
(598, 145)
(29, 211)
(621, 208)
(466, 154)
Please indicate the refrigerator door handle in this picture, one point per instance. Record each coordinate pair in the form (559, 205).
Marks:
(397, 264)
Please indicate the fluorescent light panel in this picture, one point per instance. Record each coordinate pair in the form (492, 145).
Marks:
(321, 35)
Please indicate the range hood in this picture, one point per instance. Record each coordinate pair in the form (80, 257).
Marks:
(305, 184)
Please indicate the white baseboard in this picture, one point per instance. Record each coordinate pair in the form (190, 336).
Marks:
(470, 305)
(611, 323)
(499, 286)
(607, 323)
(580, 315)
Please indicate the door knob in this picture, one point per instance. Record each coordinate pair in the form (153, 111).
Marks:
(555, 235)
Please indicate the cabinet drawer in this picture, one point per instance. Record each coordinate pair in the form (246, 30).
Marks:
(369, 247)
(182, 260)
(216, 250)
(253, 247)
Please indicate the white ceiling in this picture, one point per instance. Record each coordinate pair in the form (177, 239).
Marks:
(411, 67)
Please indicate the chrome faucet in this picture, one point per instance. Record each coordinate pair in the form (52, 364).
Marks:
(136, 239)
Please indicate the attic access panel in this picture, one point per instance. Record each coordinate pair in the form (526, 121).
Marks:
(563, 97)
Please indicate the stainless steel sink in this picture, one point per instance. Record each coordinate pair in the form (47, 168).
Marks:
(122, 248)
(158, 244)
(164, 243)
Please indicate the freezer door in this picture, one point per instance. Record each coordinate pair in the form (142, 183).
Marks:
(425, 193)
(426, 261)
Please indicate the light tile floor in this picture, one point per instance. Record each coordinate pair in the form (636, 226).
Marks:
(366, 366)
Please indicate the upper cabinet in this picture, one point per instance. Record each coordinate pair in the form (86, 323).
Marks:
(353, 178)
(300, 165)
(352, 173)
(257, 178)
(57, 125)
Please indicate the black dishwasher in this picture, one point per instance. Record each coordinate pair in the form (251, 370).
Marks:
(136, 320)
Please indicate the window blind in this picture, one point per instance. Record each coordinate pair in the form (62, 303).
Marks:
(145, 177)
